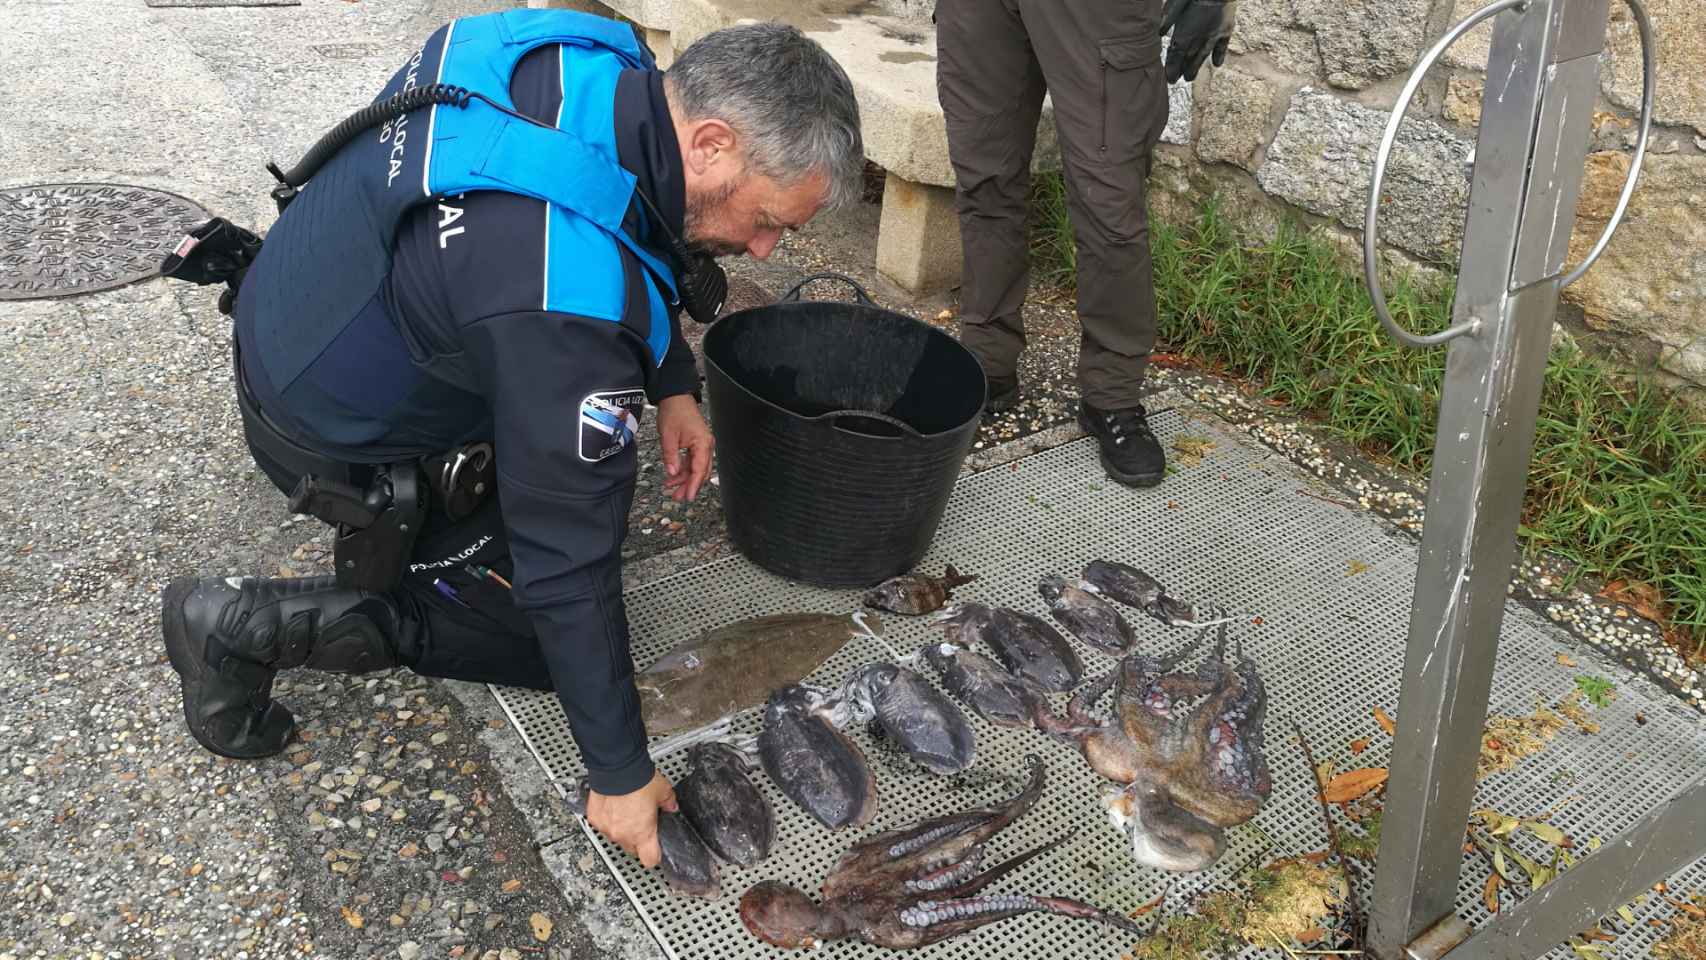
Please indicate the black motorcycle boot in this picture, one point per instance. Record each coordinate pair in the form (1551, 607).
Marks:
(228, 637)
(1130, 452)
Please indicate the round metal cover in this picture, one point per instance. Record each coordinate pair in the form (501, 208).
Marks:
(63, 239)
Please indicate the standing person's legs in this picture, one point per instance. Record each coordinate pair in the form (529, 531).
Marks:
(991, 91)
(1102, 61)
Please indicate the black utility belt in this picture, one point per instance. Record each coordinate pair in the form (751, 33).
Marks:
(377, 510)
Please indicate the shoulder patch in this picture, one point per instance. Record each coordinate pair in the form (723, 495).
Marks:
(609, 419)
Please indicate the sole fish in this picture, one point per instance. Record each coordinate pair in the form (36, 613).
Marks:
(734, 667)
(730, 814)
(813, 763)
(1086, 615)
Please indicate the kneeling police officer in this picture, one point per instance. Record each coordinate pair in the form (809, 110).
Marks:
(445, 343)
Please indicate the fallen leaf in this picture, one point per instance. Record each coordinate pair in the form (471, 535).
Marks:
(1324, 771)
(352, 918)
(1168, 360)
(510, 886)
(1507, 826)
(1627, 914)
(1598, 934)
(1312, 935)
(1146, 908)
(1688, 908)
(1547, 832)
(1354, 566)
(541, 927)
(1386, 723)
(1354, 783)
(1359, 745)
(1564, 660)
(1499, 863)
(1490, 893)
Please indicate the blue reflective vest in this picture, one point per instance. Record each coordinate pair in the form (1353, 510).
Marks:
(311, 316)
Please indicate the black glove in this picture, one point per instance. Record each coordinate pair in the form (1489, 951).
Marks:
(1205, 26)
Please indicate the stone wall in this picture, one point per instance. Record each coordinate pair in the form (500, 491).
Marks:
(1292, 121)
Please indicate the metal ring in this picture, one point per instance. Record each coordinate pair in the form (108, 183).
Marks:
(1370, 255)
(1649, 81)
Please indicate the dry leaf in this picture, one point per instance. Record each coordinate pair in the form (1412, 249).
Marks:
(510, 886)
(1627, 914)
(1499, 863)
(1598, 934)
(541, 927)
(1354, 783)
(1490, 893)
(1385, 721)
(1146, 908)
(1507, 826)
(1359, 745)
(1688, 908)
(1324, 772)
(1355, 566)
(1312, 935)
(1564, 660)
(352, 918)
(1548, 833)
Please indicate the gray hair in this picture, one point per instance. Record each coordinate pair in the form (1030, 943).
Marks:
(783, 95)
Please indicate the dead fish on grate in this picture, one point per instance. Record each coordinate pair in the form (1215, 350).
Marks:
(1024, 643)
(916, 593)
(985, 686)
(914, 886)
(1187, 746)
(734, 667)
(911, 713)
(1134, 588)
(812, 762)
(729, 813)
(1079, 606)
(686, 866)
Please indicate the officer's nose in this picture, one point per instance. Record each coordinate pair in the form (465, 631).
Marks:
(763, 243)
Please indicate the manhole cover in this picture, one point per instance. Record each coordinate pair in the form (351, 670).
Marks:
(63, 239)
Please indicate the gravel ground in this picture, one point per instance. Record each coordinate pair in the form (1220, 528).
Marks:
(403, 823)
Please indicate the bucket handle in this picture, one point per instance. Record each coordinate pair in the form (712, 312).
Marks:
(859, 293)
(835, 415)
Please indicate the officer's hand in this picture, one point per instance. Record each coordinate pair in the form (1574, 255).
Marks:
(630, 820)
(682, 429)
(1204, 28)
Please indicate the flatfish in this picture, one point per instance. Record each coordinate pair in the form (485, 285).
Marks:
(737, 666)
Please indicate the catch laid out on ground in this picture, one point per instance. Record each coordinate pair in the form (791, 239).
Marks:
(1182, 749)
(914, 886)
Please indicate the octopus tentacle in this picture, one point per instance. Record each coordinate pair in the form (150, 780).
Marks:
(958, 916)
(1079, 707)
(949, 876)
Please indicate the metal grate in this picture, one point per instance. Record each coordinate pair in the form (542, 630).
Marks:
(1231, 529)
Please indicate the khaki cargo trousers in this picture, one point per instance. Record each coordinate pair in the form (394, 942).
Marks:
(1100, 61)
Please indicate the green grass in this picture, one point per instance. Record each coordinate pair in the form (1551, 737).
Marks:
(1596, 689)
(1618, 480)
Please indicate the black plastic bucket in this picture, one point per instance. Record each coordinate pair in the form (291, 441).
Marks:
(841, 428)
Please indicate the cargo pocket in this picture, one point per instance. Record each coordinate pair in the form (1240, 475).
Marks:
(1130, 70)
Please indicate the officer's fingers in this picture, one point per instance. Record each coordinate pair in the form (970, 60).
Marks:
(701, 467)
(649, 852)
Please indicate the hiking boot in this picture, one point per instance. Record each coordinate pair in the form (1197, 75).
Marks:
(1130, 452)
(1003, 395)
(227, 639)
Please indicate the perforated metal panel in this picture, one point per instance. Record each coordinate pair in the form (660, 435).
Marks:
(1232, 529)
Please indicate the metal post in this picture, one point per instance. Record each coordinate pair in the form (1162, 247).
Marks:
(1542, 83)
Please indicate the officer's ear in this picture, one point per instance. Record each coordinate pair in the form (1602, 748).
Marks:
(708, 143)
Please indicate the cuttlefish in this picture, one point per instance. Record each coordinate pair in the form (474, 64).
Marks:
(1185, 746)
(914, 886)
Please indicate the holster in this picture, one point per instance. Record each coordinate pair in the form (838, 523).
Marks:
(376, 510)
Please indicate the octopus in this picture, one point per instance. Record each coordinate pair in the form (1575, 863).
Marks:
(915, 886)
(1185, 748)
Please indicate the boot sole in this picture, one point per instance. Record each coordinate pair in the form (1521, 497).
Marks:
(192, 672)
(1113, 472)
